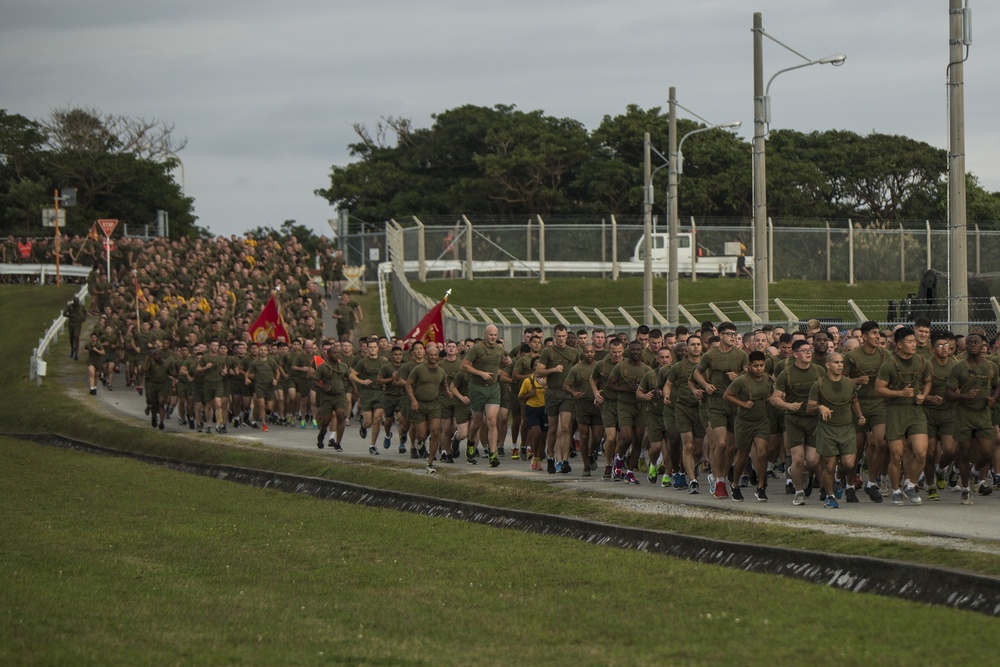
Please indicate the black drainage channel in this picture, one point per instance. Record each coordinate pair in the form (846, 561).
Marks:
(917, 583)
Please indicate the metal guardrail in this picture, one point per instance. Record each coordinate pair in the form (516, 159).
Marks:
(37, 366)
(44, 271)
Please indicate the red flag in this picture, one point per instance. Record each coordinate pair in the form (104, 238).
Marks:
(431, 328)
(92, 234)
(270, 325)
(318, 360)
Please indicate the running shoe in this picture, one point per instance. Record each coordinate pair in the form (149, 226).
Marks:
(363, 432)
(567, 467)
(800, 498)
(651, 475)
(838, 489)
(873, 493)
(422, 452)
(501, 452)
(263, 427)
(789, 488)
(668, 481)
(932, 493)
(883, 487)
(514, 455)
(852, 496)
(402, 438)
(431, 470)
(985, 488)
(558, 466)
(737, 494)
(966, 497)
(387, 442)
(693, 487)
(897, 498)
(630, 478)
(550, 466)
(535, 465)
(373, 450)
(607, 472)
(413, 453)
(319, 441)
(302, 423)
(586, 471)
(402, 448)
(720, 490)
(760, 494)
(336, 445)
(494, 460)
(831, 503)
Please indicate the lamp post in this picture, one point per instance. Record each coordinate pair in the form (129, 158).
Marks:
(761, 128)
(675, 165)
(674, 162)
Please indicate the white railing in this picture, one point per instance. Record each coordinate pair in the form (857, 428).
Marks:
(38, 368)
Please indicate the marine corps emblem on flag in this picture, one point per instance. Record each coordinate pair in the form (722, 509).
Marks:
(270, 325)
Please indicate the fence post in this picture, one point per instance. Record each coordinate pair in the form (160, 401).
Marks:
(541, 250)
(527, 253)
(850, 251)
(978, 270)
(694, 251)
(468, 247)
(770, 250)
(902, 255)
(421, 251)
(928, 223)
(604, 247)
(829, 251)
(615, 268)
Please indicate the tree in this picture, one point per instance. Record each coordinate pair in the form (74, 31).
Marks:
(120, 166)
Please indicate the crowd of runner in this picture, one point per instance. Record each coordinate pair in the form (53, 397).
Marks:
(898, 413)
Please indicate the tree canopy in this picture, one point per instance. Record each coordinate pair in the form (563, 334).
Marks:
(120, 166)
(500, 160)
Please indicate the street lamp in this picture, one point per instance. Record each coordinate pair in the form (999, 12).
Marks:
(676, 164)
(761, 125)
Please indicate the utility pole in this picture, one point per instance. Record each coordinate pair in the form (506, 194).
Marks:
(673, 283)
(760, 259)
(647, 228)
(958, 278)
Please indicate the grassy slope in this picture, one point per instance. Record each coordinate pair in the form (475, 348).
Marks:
(109, 561)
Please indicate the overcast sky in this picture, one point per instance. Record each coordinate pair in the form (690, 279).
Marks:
(266, 93)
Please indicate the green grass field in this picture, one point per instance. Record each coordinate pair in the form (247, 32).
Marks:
(805, 298)
(109, 561)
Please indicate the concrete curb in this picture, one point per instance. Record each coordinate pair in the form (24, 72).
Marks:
(914, 582)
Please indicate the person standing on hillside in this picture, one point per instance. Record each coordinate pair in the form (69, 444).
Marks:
(75, 315)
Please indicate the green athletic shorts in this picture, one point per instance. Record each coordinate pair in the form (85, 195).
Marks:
(587, 413)
(482, 395)
(800, 430)
(835, 440)
(971, 424)
(747, 430)
(689, 420)
(609, 414)
(631, 414)
(902, 421)
(940, 421)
